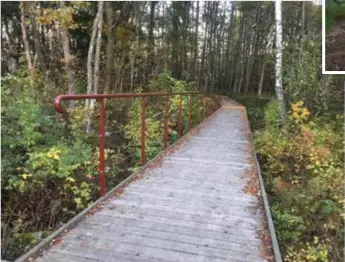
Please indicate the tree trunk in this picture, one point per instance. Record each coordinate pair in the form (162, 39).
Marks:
(136, 45)
(68, 58)
(38, 46)
(97, 24)
(151, 44)
(254, 44)
(201, 75)
(214, 66)
(242, 59)
(185, 39)
(98, 47)
(26, 41)
(262, 76)
(90, 52)
(195, 70)
(175, 44)
(279, 54)
(230, 48)
(109, 64)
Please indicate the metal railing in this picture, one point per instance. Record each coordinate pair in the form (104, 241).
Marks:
(100, 98)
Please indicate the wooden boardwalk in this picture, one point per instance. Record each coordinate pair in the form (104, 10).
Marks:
(191, 205)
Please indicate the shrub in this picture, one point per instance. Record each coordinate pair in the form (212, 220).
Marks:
(272, 116)
(303, 167)
(43, 164)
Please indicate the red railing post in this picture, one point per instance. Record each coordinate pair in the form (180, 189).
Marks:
(166, 111)
(190, 113)
(101, 147)
(143, 129)
(180, 117)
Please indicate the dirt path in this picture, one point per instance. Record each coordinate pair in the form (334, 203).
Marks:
(335, 47)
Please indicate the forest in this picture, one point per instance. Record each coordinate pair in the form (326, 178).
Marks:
(335, 41)
(49, 166)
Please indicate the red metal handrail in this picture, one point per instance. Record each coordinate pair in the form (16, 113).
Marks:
(100, 98)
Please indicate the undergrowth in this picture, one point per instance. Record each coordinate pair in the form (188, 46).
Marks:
(335, 11)
(53, 166)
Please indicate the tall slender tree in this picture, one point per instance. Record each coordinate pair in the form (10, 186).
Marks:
(109, 64)
(279, 56)
(68, 58)
(25, 40)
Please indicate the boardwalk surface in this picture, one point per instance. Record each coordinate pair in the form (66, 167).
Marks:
(193, 207)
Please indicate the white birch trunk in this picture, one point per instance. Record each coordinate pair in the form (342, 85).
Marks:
(279, 55)
(26, 41)
(98, 47)
(109, 64)
(90, 104)
(90, 53)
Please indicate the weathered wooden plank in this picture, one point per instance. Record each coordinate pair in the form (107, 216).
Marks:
(209, 161)
(198, 200)
(194, 239)
(235, 230)
(224, 199)
(221, 235)
(212, 218)
(191, 207)
(101, 243)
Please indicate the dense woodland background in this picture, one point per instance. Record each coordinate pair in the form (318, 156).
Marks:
(49, 167)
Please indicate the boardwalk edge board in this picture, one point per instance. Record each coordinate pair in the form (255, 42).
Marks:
(44, 244)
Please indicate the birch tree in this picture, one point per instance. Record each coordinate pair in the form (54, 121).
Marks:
(92, 82)
(279, 55)
(90, 52)
(98, 48)
(25, 40)
(109, 64)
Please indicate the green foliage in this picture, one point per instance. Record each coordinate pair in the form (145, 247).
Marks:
(316, 251)
(153, 142)
(302, 166)
(303, 79)
(334, 11)
(154, 115)
(54, 165)
(272, 116)
(255, 109)
(41, 163)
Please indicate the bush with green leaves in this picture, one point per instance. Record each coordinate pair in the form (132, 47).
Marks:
(272, 116)
(303, 78)
(302, 165)
(335, 10)
(54, 164)
(155, 114)
(42, 163)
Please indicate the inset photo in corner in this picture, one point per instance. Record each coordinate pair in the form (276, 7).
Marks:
(333, 37)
